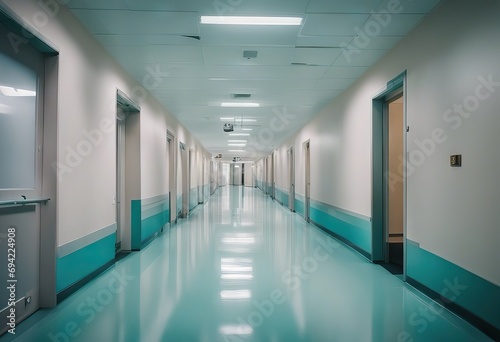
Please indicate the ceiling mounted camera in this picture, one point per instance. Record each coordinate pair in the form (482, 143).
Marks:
(228, 127)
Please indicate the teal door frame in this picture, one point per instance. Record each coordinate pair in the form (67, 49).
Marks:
(379, 184)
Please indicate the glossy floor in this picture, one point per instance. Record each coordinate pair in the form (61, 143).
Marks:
(243, 268)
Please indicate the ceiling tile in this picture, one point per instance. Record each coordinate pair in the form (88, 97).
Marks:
(177, 54)
(142, 39)
(376, 43)
(390, 25)
(138, 22)
(332, 24)
(270, 56)
(245, 35)
(345, 72)
(363, 58)
(351, 6)
(96, 4)
(324, 41)
(418, 7)
(131, 55)
(217, 73)
(316, 56)
(335, 83)
(222, 7)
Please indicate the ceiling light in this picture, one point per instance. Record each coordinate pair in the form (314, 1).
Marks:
(226, 119)
(238, 151)
(248, 120)
(237, 141)
(247, 129)
(242, 329)
(240, 104)
(237, 145)
(16, 92)
(235, 269)
(236, 276)
(232, 20)
(239, 134)
(235, 294)
(236, 261)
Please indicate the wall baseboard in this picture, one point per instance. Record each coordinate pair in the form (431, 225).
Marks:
(82, 282)
(460, 311)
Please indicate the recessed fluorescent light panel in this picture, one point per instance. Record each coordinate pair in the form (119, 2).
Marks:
(237, 141)
(247, 129)
(239, 105)
(265, 21)
(239, 134)
(235, 294)
(237, 151)
(16, 92)
(237, 145)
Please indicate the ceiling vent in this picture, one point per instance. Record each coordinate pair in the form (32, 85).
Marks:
(228, 127)
(241, 96)
(250, 54)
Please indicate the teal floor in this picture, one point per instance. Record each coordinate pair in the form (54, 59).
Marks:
(243, 268)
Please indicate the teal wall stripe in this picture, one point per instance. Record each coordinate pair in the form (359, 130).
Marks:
(206, 192)
(149, 216)
(193, 198)
(352, 228)
(458, 285)
(299, 207)
(153, 225)
(136, 224)
(84, 241)
(281, 196)
(79, 264)
(260, 185)
(179, 203)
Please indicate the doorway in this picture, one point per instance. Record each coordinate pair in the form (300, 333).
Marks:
(273, 178)
(394, 188)
(291, 180)
(307, 181)
(127, 168)
(183, 209)
(389, 180)
(172, 181)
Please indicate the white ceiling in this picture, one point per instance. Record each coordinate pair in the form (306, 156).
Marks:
(298, 69)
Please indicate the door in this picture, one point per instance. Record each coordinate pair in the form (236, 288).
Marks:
(307, 182)
(172, 182)
(388, 178)
(21, 146)
(273, 178)
(128, 172)
(266, 180)
(394, 190)
(184, 172)
(120, 176)
(291, 180)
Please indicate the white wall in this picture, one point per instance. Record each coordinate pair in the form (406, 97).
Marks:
(451, 211)
(88, 81)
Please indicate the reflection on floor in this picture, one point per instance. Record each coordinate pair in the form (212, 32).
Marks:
(243, 268)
